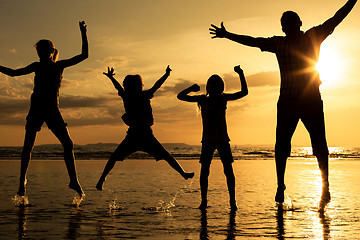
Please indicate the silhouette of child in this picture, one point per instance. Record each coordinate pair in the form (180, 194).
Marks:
(215, 136)
(138, 116)
(44, 104)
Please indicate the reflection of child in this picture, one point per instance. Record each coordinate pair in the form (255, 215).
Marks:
(44, 104)
(215, 136)
(138, 116)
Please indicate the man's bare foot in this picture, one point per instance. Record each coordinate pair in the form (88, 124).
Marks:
(188, 175)
(76, 186)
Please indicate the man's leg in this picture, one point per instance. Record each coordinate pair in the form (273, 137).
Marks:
(287, 120)
(315, 124)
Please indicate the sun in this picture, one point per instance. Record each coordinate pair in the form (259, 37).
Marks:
(330, 66)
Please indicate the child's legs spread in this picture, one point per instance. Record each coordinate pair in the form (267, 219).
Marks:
(34, 121)
(57, 125)
(152, 146)
(125, 148)
(30, 136)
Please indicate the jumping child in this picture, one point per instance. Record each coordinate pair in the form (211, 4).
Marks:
(215, 136)
(138, 116)
(45, 104)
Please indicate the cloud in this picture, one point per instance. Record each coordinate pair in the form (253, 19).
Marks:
(261, 79)
(232, 82)
(82, 110)
(76, 101)
(15, 87)
(85, 110)
(180, 85)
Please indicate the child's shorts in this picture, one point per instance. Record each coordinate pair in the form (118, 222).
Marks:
(208, 149)
(144, 141)
(38, 114)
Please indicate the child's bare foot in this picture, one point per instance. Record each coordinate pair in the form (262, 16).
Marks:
(22, 188)
(279, 197)
(99, 185)
(188, 175)
(203, 205)
(233, 206)
(325, 195)
(76, 186)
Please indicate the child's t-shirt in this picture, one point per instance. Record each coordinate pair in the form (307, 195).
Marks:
(47, 82)
(213, 112)
(138, 111)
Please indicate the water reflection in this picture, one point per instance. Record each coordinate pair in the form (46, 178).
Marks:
(320, 225)
(280, 222)
(73, 231)
(22, 214)
(231, 230)
(231, 227)
(204, 235)
(325, 222)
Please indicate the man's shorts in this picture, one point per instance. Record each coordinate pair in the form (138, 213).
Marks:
(40, 113)
(208, 149)
(140, 140)
(310, 112)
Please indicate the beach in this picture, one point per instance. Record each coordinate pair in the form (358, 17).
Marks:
(145, 199)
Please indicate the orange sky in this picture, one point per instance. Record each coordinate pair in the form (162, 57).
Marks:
(144, 37)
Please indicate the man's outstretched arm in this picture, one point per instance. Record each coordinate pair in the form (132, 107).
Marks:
(221, 32)
(340, 14)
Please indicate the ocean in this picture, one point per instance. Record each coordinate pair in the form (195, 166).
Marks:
(146, 199)
(101, 151)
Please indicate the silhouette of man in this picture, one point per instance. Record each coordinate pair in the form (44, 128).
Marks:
(297, 54)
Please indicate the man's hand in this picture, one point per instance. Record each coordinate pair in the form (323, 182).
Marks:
(218, 32)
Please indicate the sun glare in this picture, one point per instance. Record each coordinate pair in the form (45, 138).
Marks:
(329, 65)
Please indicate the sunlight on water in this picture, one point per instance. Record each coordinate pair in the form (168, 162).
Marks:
(77, 200)
(165, 207)
(21, 200)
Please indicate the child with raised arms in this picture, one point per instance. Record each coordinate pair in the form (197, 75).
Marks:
(215, 135)
(138, 116)
(45, 104)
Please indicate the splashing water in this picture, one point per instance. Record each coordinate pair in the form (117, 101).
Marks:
(287, 205)
(77, 200)
(165, 207)
(21, 200)
(114, 205)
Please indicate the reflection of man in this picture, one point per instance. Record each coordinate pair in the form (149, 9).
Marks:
(297, 54)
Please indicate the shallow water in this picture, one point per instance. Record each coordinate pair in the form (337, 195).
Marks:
(145, 199)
